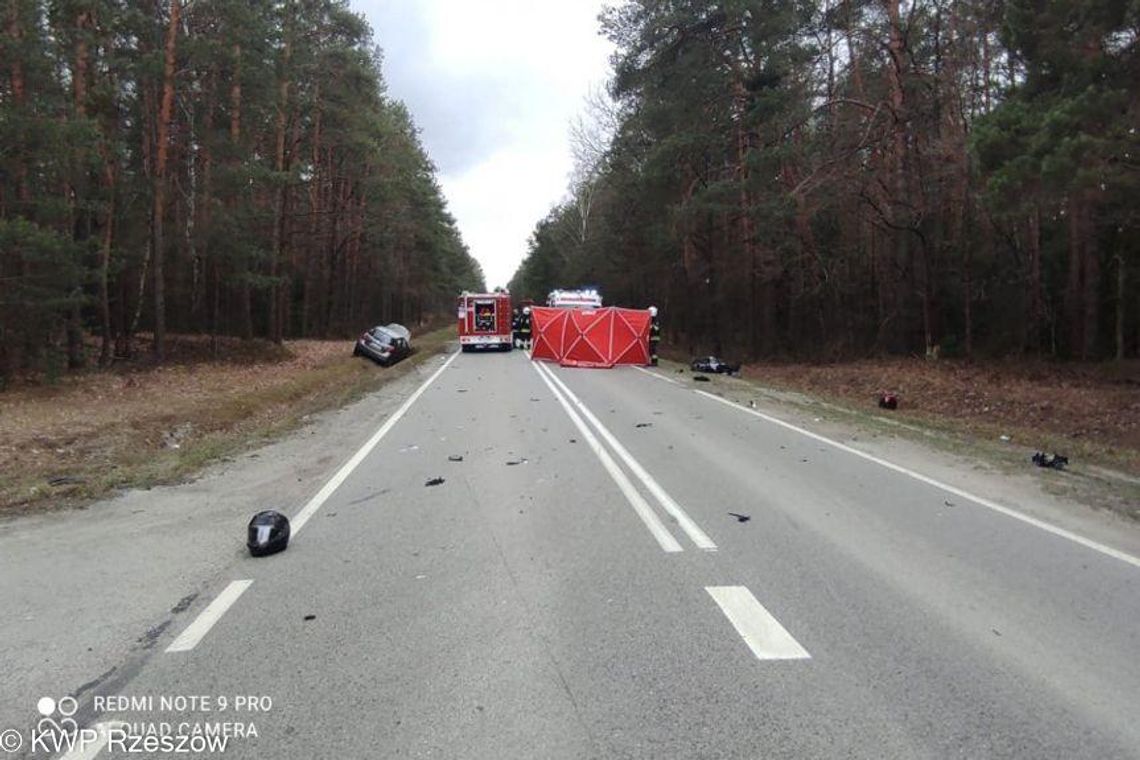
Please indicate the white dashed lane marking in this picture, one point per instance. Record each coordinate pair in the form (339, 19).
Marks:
(761, 632)
(197, 630)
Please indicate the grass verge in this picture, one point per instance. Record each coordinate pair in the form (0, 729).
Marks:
(70, 444)
(941, 410)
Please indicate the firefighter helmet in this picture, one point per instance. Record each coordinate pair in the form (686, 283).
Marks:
(653, 311)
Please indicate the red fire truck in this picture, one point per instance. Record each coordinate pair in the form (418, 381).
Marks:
(484, 321)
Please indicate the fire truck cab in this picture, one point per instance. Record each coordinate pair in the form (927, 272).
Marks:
(574, 299)
(484, 321)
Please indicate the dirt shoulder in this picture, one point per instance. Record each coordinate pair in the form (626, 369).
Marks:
(135, 428)
(1000, 411)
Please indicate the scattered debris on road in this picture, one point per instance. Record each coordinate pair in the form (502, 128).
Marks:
(700, 378)
(268, 533)
(573, 440)
(455, 458)
(1055, 461)
(644, 424)
(461, 390)
(1005, 438)
(513, 462)
(740, 518)
(183, 604)
(307, 618)
(434, 482)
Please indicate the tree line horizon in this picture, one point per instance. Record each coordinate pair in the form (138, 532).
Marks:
(213, 167)
(831, 179)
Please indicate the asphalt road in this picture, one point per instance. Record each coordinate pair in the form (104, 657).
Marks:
(623, 567)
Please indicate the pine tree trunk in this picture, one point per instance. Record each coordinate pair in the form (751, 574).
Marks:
(245, 296)
(898, 166)
(1036, 316)
(1120, 306)
(1074, 313)
(1090, 274)
(166, 112)
(203, 208)
(79, 226)
(105, 251)
(276, 329)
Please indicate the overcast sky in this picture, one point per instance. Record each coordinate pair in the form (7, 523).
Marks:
(493, 85)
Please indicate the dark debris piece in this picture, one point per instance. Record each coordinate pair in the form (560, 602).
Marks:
(513, 462)
(644, 424)
(1055, 461)
(888, 400)
(66, 480)
(740, 518)
(307, 618)
(700, 378)
(434, 482)
(455, 458)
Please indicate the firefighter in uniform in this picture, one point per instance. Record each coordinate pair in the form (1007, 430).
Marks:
(516, 322)
(654, 335)
(524, 328)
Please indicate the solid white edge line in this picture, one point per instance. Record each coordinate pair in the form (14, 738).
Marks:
(1108, 551)
(102, 736)
(763, 634)
(664, 538)
(692, 530)
(342, 474)
(202, 624)
(651, 373)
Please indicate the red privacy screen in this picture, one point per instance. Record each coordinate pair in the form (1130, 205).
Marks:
(591, 337)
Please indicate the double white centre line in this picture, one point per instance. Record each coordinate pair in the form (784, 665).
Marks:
(640, 506)
(572, 404)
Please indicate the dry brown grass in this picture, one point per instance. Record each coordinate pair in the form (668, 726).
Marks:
(1087, 411)
(148, 425)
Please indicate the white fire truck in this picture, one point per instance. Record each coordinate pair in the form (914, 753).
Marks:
(574, 299)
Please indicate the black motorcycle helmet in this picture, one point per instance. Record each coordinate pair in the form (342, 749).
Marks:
(268, 533)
